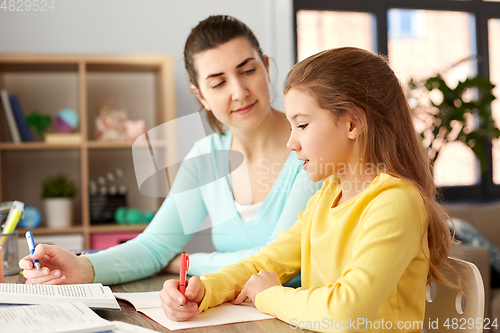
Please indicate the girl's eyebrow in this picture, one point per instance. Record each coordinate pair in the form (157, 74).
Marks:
(241, 64)
(299, 115)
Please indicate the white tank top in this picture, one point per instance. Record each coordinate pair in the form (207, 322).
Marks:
(248, 213)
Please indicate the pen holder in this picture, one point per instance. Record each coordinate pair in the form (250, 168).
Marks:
(10, 253)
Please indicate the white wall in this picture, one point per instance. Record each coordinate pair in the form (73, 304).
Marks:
(148, 27)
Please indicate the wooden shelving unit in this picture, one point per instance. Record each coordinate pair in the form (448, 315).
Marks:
(48, 83)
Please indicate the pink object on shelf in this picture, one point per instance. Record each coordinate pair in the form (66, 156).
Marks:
(103, 241)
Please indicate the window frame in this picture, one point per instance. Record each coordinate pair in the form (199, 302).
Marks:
(483, 11)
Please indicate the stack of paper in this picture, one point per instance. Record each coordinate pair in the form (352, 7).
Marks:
(95, 295)
(58, 318)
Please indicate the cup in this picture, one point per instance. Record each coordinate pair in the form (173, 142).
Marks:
(10, 253)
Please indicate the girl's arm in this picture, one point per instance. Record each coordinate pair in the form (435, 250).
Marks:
(388, 246)
(282, 256)
(299, 193)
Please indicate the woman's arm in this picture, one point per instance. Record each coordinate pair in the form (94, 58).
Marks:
(164, 238)
(300, 192)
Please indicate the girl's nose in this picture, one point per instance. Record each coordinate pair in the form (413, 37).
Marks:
(292, 143)
(240, 91)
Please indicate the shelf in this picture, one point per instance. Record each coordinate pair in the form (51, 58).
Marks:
(52, 231)
(143, 84)
(35, 146)
(117, 228)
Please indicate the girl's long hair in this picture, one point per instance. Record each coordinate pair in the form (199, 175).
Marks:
(356, 82)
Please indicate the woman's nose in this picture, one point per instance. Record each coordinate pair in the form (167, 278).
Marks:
(240, 90)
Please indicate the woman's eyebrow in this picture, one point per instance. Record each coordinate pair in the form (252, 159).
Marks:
(244, 62)
(241, 64)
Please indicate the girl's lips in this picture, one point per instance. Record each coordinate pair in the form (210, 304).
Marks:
(245, 110)
(304, 165)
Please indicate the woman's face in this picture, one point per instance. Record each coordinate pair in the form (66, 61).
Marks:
(233, 84)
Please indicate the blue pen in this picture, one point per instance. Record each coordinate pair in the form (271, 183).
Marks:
(31, 245)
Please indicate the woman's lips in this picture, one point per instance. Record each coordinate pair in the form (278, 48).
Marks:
(304, 165)
(245, 109)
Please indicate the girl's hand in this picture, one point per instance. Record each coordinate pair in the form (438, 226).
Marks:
(181, 307)
(58, 266)
(256, 284)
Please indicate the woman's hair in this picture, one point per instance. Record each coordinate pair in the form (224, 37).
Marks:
(358, 83)
(209, 34)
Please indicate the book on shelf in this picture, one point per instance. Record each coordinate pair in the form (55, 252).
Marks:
(20, 120)
(9, 115)
(148, 303)
(94, 295)
(63, 138)
(60, 317)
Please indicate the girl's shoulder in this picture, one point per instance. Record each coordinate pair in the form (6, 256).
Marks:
(395, 189)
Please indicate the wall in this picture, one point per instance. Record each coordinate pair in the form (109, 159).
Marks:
(148, 27)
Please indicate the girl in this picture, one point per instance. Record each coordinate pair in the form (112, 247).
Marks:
(370, 238)
(230, 76)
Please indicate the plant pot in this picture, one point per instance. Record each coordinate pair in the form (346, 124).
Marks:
(58, 212)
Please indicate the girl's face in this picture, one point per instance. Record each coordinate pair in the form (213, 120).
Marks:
(324, 143)
(233, 84)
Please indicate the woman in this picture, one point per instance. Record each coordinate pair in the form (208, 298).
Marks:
(229, 74)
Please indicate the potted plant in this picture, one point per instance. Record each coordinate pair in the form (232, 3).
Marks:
(58, 193)
(444, 114)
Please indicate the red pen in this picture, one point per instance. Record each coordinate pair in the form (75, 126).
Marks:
(183, 272)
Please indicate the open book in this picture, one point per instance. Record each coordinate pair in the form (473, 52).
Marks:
(58, 318)
(94, 295)
(227, 313)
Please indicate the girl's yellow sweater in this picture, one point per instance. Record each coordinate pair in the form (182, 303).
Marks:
(363, 263)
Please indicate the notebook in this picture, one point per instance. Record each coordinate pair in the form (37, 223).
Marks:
(149, 304)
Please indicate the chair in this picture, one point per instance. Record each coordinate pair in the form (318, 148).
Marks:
(452, 310)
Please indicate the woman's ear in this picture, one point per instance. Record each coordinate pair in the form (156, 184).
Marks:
(202, 100)
(266, 63)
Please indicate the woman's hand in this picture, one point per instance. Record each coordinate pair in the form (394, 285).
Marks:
(256, 284)
(57, 266)
(181, 307)
(174, 266)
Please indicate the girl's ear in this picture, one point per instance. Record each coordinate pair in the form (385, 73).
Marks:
(355, 128)
(202, 100)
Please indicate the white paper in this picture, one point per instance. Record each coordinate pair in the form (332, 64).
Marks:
(61, 317)
(121, 327)
(226, 313)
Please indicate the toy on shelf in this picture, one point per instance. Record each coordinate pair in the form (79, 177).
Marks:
(112, 123)
(123, 215)
(32, 218)
(66, 121)
(106, 195)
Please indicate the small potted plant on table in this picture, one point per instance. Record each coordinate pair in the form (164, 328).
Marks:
(58, 193)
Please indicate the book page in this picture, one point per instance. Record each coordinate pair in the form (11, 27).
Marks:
(88, 291)
(63, 317)
(94, 295)
(148, 300)
(226, 313)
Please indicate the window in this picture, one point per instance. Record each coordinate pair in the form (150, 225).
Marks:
(420, 40)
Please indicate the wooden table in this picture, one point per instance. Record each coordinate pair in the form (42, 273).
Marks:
(154, 283)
